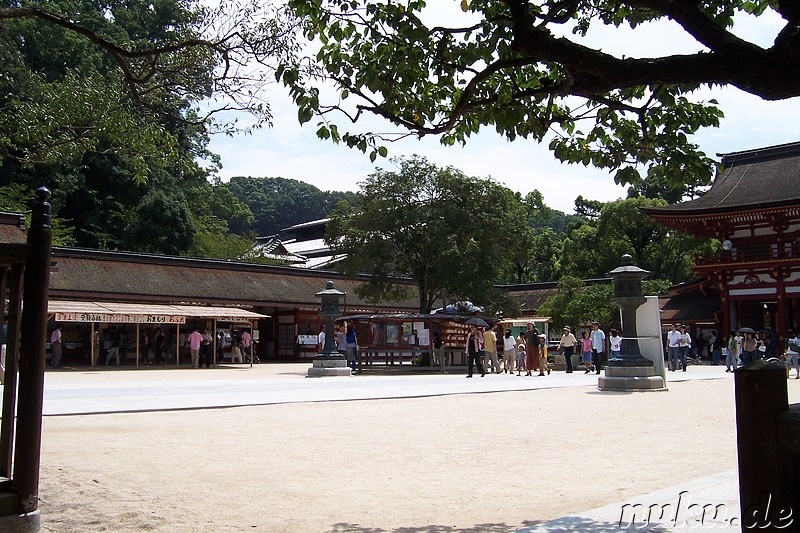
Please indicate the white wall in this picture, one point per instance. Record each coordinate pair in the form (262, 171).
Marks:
(648, 329)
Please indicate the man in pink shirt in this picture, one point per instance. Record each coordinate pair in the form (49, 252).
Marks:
(247, 339)
(195, 338)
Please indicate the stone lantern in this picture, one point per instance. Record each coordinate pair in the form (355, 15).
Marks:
(330, 362)
(631, 370)
(628, 296)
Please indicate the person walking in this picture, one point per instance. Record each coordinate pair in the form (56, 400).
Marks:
(352, 346)
(761, 349)
(158, 346)
(715, 345)
(586, 351)
(734, 351)
(567, 344)
(522, 355)
(490, 348)
(792, 354)
(615, 343)
(55, 344)
(116, 340)
(532, 350)
(321, 339)
(673, 347)
(509, 352)
(685, 344)
(206, 349)
(247, 341)
(145, 342)
(598, 337)
(532, 362)
(749, 346)
(195, 340)
(473, 349)
(544, 365)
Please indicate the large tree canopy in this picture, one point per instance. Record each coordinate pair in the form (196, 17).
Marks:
(441, 228)
(75, 70)
(526, 69)
(109, 104)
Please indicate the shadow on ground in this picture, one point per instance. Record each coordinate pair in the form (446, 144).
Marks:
(567, 523)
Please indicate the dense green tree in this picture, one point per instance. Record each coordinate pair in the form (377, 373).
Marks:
(595, 247)
(576, 304)
(161, 223)
(278, 203)
(100, 69)
(557, 221)
(18, 198)
(101, 103)
(526, 69)
(534, 257)
(441, 228)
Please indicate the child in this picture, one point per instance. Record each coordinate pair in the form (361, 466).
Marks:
(586, 351)
(521, 358)
(544, 365)
(616, 344)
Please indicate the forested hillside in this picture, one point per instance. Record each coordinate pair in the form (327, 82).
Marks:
(277, 203)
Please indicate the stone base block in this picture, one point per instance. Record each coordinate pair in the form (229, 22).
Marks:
(560, 361)
(630, 371)
(631, 383)
(325, 366)
(24, 523)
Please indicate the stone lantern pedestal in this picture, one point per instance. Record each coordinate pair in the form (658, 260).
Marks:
(330, 362)
(630, 370)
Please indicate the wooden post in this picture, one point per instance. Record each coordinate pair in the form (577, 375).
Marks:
(138, 348)
(761, 397)
(12, 365)
(92, 341)
(32, 357)
(214, 356)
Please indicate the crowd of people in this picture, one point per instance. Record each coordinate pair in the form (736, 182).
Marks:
(528, 352)
(739, 348)
(345, 341)
(115, 344)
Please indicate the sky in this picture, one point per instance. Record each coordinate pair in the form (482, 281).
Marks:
(290, 150)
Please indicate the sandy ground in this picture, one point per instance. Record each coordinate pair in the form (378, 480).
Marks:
(474, 462)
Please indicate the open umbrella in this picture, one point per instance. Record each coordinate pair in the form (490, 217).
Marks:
(475, 321)
(747, 330)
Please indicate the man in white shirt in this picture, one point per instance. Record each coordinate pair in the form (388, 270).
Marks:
(598, 345)
(673, 346)
(321, 340)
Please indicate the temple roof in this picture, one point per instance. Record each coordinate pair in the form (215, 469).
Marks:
(752, 179)
(120, 276)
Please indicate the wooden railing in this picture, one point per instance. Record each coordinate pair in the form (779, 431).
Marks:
(427, 357)
(748, 254)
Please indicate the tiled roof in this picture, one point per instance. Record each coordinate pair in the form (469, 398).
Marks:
(753, 179)
(690, 307)
(114, 276)
(12, 227)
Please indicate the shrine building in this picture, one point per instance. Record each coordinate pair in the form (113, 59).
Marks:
(753, 210)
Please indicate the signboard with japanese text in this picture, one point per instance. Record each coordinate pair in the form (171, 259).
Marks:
(120, 319)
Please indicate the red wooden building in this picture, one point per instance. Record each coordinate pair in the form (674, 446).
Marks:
(753, 210)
